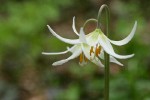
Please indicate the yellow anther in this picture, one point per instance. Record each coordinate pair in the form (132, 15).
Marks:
(91, 50)
(81, 58)
(85, 59)
(97, 51)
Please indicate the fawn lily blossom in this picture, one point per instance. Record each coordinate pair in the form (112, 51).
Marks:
(81, 49)
(97, 37)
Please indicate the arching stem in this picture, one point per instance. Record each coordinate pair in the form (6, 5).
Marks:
(106, 95)
(89, 20)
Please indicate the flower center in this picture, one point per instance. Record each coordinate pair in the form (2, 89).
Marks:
(96, 52)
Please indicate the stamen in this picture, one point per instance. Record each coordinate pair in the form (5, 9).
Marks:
(91, 50)
(97, 51)
(81, 58)
(85, 59)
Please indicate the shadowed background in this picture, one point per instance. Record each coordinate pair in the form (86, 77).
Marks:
(26, 74)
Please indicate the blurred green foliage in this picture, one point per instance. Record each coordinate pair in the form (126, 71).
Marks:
(25, 74)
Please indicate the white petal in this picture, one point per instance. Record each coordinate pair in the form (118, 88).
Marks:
(86, 51)
(97, 62)
(69, 41)
(73, 26)
(127, 39)
(74, 48)
(92, 38)
(74, 55)
(109, 49)
(112, 59)
(54, 53)
(82, 63)
(82, 37)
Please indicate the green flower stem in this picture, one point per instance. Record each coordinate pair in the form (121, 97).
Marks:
(106, 95)
(89, 20)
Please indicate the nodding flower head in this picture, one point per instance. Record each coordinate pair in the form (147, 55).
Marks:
(91, 46)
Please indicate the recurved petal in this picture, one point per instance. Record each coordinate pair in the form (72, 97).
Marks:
(97, 62)
(74, 48)
(112, 59)
(82, 37)
(109, 49)
(54, 53)
(73, 26)
(127, 39)
(69, 41)
(86, 51)
(74, 55)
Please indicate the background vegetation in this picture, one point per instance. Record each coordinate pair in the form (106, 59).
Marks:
(25, 74)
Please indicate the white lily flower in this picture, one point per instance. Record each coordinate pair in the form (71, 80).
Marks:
(81, 49)
(97, 37)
